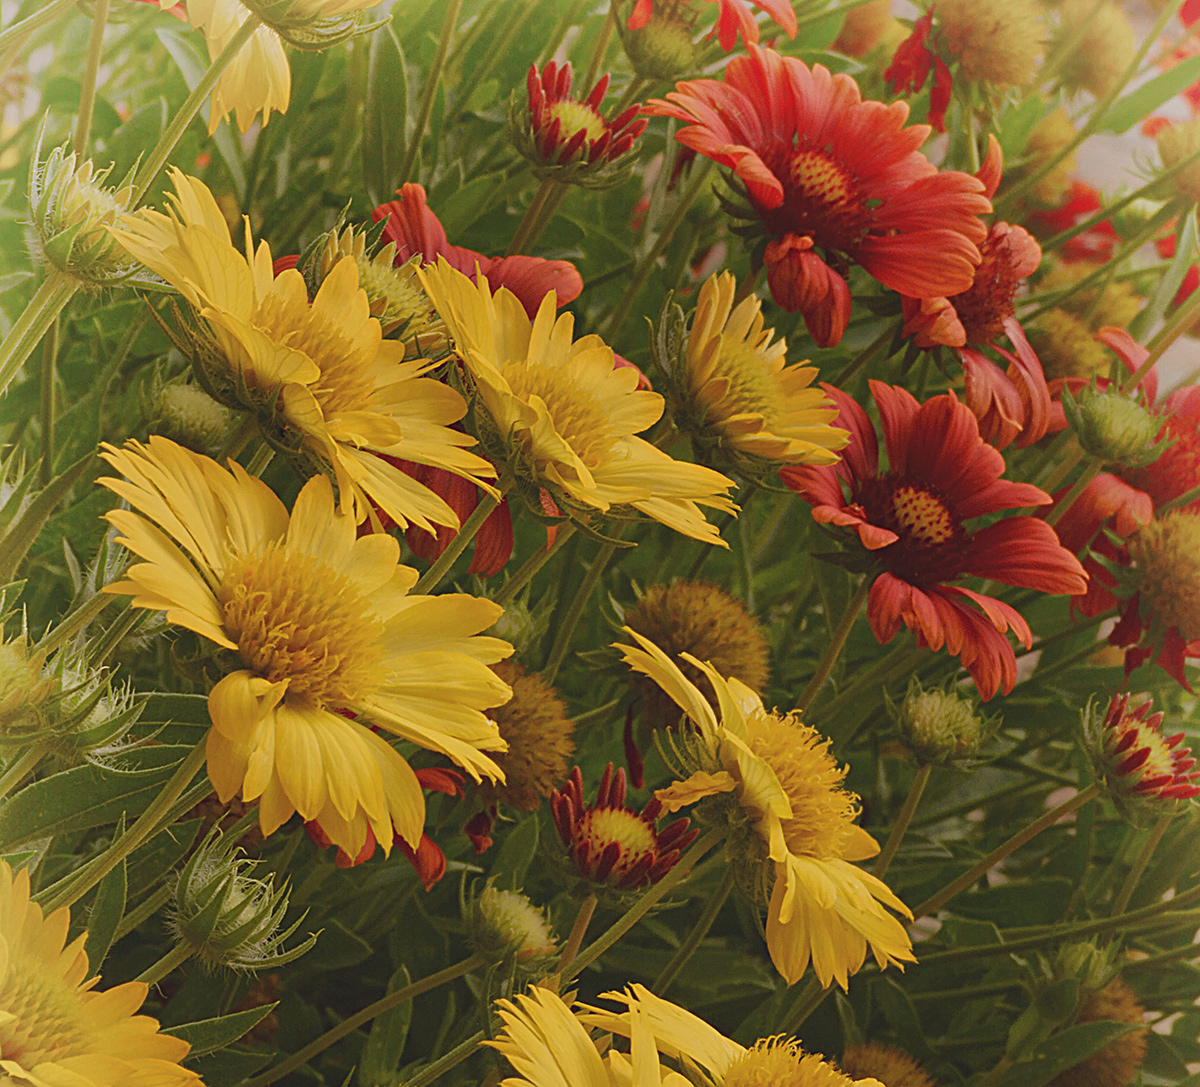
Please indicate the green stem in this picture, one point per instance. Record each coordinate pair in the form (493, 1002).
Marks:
(1141, 862)
(87, 92)
(1179, 322)
(867, 354)
(351, 1024)
(1185, 499)
(806, 1003)
(174, 958)
(614, 321)
(745, 564)
(498, 48)
(444, 1063)
(21, 766)
(49, 376)
(13, 40)
(430, 91)
(583, 594)
(1068, 499)
(587, 910)
(262, 457)
(836, 641)
(643, 905)
(429, 581)
(147, 823)
(1069, 463)
(74, 622)
(537, 216)
(998, 854)
(173, 133)
(532, 565)
(144, 911)
(994, 1076)
(919, 781)
(694, 938)
(603, 41)
(35, 320)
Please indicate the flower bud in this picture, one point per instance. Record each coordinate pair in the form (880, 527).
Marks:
(1177, 142)
(71, 210)
(1092, 966)
(506, 925)
(189, 416)
(886, 1064)
(228, 918)
(1102, 45)
(313, 24)
(939, 726)
(663, 50)
(23, 692)
(1113, 427)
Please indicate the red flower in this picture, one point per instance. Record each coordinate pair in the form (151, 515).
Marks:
(734, 18)
(911, 65)
(416, 230)
(912, 517)
(1082, 202)
(428, 858)
(833, 180)
(1137, 760)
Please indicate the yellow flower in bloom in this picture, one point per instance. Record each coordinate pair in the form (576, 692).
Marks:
(56, 1029)
(322, 635)
(565, 416)
(321, 372)
(680, 1035)
(738, 393)
(548, 1046)
(822, 906)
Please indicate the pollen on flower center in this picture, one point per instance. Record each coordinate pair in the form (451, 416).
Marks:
(779, 1063)
(753, 387)
(577, 416)
(39, 1020)
(628, 829)
(922, 515)
(822, 811)
(821, 199)
(573, 116)
(1167, 554)
(294, 618)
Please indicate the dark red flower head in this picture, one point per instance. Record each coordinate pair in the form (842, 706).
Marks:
(833, 180)
(611, 843)
(914, 59)
(1137, 761)
(734, 19)
(912, 518)
(568, 130)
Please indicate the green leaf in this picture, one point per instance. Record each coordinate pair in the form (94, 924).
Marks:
(516, 855)
(1064, 1050)
(470, 202)
(107, 911)
(20, 534)
(1135, 107)
(385, 1044)
(87, 796)
(1052, 1006)
(230, 1065)
(385, 116)
(208, 1035)
(337, 949)
(141, 131)
(1168, 286)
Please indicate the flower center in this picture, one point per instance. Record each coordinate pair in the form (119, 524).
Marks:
(779, 1063)
(1166, 553)
(922, 515)
(753, 388)
(294, 618)
(575, 413)
(822, 811)
(984, 305)
(573, 116)
(45, 1022)
(931, 539)
(820, 199)
(600, 827)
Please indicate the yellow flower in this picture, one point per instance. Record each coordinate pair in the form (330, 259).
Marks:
(737, 393)
(321, 634)
(549, 1047)
(822, 907)
(319, 375)
(564, 417)
(55, 1027)
(680, 1035)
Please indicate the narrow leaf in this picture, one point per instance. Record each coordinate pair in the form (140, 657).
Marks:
(107, 911)
(209, 1035)
(385, 116)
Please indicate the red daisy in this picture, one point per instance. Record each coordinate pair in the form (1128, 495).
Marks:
(1136, 760)
(734, 19)
(416, 230)
(914, 60)
(911, 517)
(834, 180)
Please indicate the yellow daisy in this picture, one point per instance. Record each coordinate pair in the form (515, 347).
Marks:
(822, 907)
(563, 416)
(549, 1047)
(321, 635)
(684, 1037)
(736, 393)
(320, 376)
(56, 1029)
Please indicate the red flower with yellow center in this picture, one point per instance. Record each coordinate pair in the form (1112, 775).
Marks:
(734, 19)
(834, 181)
(1137, 760)
(612, 844)
(912, 517)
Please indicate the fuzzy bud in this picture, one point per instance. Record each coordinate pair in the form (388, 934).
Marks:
(1091, 966)
(663, 50)
(1112, 427)
(939, 726)
(506, 925)
(189, 416)
(313, 24)
(23, 692)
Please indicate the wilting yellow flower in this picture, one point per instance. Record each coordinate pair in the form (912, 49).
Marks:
(736, 393)
(549, 1047)
(55, 1027)
(319, 375)
(564, 417)
(678, 1034)
(822, 907)
(322, 635)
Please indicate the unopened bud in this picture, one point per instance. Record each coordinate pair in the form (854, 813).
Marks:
(313, 24)
(939, 726)
(663, 50)
(1093, 967)
(189, 416)
(506, 925)
(1112, 427)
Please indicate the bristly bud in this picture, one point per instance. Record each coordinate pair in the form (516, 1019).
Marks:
(88, 717)
(189, 416)
(1093, 967)
(228, 918)
(1102, 45)
(1117, 1063)
(939, 726)
(664, 50)
(314, 24)
(1165, 555)
(1177, 142)
(505, 925)
(71, 209)
(567, 139)
(1113, 427)
(24, 692)
(1140, 769)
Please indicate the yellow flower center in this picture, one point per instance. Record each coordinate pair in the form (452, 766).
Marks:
(1167, 554)
(294, 618)
(603, 826)
(573, 116)
(753, 387)
(822, 811)
(575, 412)
(1160, 762)
(778, 1063)
(46, 1023)
(397, 299)
(922, 515)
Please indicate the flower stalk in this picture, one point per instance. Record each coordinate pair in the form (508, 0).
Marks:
(441, 566)
(413, 151)
(920, 779)
(87, 92)
(694, 938)
(837, 640)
